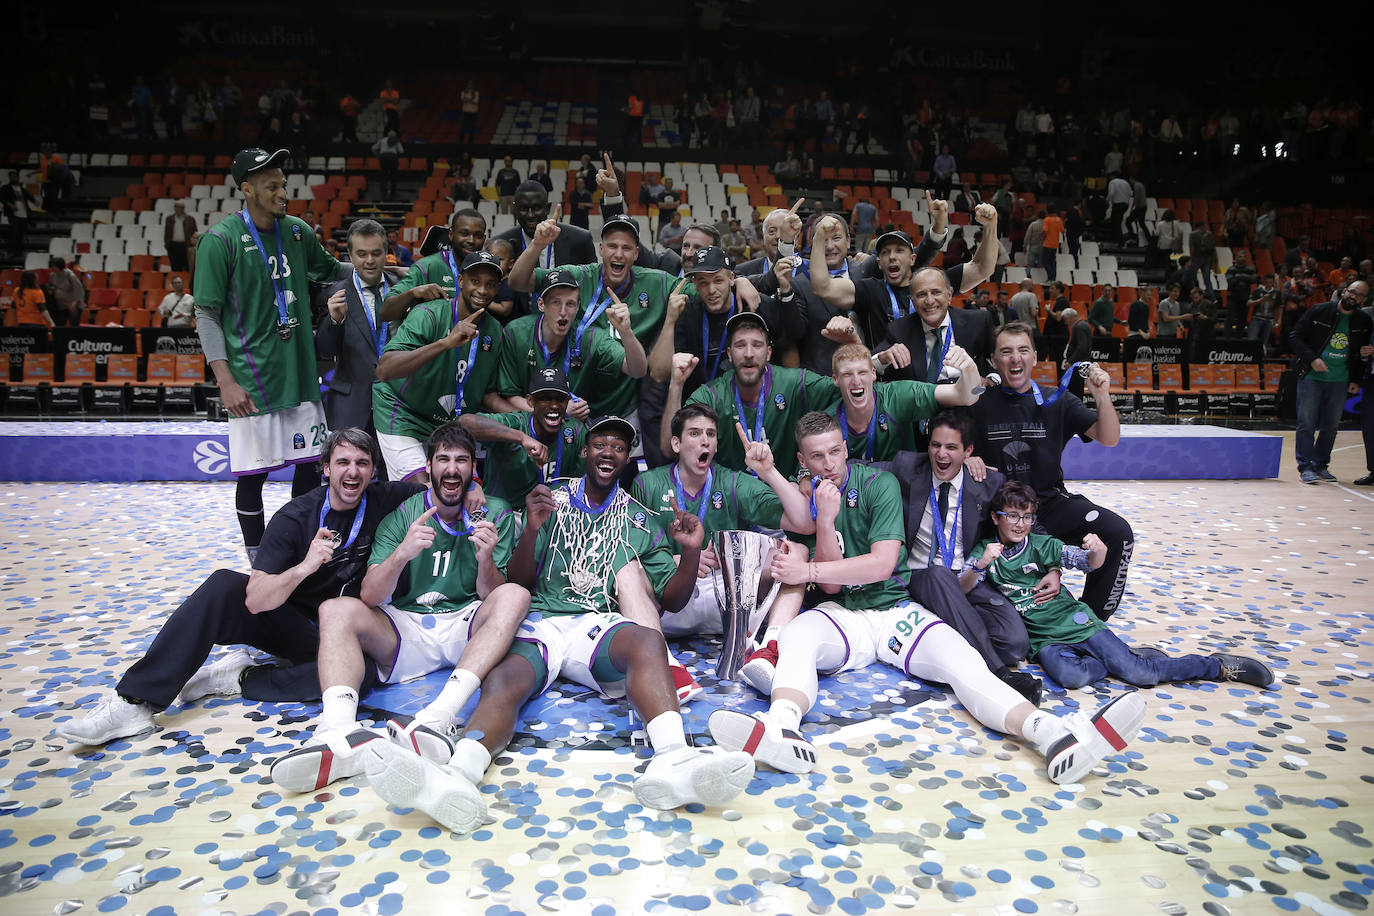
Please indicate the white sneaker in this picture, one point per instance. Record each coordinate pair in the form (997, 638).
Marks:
(113, 717)
(323, 758)
(700, 775)
(422, 736)
(1091, 738)
(407, 780)
(220, 679)
(760, 667)
(763, 739)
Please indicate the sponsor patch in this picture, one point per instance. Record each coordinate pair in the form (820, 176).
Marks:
(298, 441)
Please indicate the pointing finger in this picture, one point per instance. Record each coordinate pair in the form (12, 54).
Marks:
(606, 158)
(743, 436)
(672, 501)
(614, 297)
(557, 213)
(929, 200)
(799, 202)
(476, 317)
(428, 514)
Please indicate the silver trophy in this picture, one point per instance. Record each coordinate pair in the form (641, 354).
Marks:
(744, 590)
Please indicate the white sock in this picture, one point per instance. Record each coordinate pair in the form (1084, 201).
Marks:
(665, 732)
(471, 759)
(1042, 729)
(459, 688)
(771, 634)
(785, 713)
(340, 708)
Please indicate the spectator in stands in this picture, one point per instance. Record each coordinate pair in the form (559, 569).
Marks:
(204, 108)
(1026, 304)
(1035, 240)
(141, 103)
(68, 295)
(1102, 315)
(946, 172)
(58, 181)
(391, 108)
(1053, 227)
(1265, 226)
(580, 204)
(1168, 238)
(1183, 274)
(1056, 333)
(464, 191)
(1236, 223)
(541, 175)
(1204, 253)
(747, 114)
(862, 222)
(1119, 199)
(230, 105)
(723, 224)
(1138, 319)
(468, 101)
(670, 199)
(1299, 253)
(403, 255)
(30, 305)
(1113, 162)
(1004, 200)
(734, 242)
(178, 232)
(348, 118)
(174, 109)
(634, 121)
(1080, 346)
(862, 129)
(670, 233)
(19, 206)
(178, 307)
(1044, 134)
(1135, 219)
(506, 180)
(1240, 279)
(389, 150)
(1201, 316)
(1264, 306)
(1331, 344)
(789, 166)
(1170, 313)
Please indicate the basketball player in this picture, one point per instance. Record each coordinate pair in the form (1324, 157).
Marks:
(866, 616)
(584, 556)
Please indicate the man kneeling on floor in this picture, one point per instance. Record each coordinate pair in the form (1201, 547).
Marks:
(858, 553)
(435, 595)
(588, 561)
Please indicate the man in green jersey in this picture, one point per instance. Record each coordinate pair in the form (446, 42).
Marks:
(253, 319)
(588, 562)
(593, 366)
(853, 563)
(435, 595)
(436, 366)
(435, 276)
(766, 400)
(528, 447)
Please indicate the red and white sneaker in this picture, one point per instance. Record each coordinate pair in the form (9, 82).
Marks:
(760, 667)
(431, 741)
(687, 686)
(1094, 737)
(763, 739)
(322, 759)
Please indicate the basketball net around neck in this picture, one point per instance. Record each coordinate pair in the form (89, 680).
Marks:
(586, 546)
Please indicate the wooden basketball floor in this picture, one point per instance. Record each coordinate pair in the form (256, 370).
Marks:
(1232, 799)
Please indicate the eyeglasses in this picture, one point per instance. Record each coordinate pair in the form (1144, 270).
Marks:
(1016, 519)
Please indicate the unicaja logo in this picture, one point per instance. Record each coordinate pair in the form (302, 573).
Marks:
(210, 456)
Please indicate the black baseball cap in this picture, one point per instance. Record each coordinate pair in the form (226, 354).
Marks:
(622, 222)
(708, 260)
(481, 259)
(611, 424)
(896, 235)
(742, 320)
(549, 379)
(559, 277)
(435, 238)
(248, 161)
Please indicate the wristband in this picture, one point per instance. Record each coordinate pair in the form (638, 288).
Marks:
(787, 296)
(811, 573)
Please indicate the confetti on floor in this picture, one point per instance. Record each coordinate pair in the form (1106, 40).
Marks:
(1231, 800)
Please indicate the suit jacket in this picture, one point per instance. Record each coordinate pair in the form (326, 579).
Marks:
(912, 470)
(353, 352)
(973, 331)
(573, 245)
(188, 226)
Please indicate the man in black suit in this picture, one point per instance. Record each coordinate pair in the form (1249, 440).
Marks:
(352, 337)
(934, 327)
(938, 478)
(573, 245)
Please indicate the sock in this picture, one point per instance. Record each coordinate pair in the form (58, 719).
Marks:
(771, 635)
(1042, 729)
(248, 504)
(471, 760)
(305, 478)
(665, 732)
(786, 713)
(459, 688)
(340, 708)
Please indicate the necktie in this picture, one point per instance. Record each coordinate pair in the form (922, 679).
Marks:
(944, 514)
(376, 292)
(937, 358)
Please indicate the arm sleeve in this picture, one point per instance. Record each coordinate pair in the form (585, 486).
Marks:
(1078, 418)
(210, 333)
(885, 520)
(912, 401)
(280, 542)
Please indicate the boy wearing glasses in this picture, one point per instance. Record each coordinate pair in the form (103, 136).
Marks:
(1068, 640)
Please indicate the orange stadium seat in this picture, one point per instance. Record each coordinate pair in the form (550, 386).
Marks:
(130, 299)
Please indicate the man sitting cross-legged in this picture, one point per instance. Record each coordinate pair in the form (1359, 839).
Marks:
(435, 595)
(858, 549)
(588, 562)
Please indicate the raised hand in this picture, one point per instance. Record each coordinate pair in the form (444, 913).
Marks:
(985, 214)
(958, 358)
(428, 291)
(677, 300)
(758, 456)
(539, 505)
(827, 228)
(418, 536)
(783, 269)
(791, 227)
(939, 213)
(484, 537)
(841, 330)
(321, 549)
(338, 305)
(897, 356)
(827, 501)
(465, 330)
(1099, 382)
(547, 231)
(683, 365)
(685, 528)
(991, 553)
(619, 315)
(606, 179)
(538, 451)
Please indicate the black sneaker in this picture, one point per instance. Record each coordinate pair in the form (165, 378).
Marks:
(1365, 481)
(1326, 475)
(1024, 683)
(1246, 670)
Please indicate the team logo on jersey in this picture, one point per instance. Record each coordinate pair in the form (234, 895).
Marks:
(717, 500)
(592, 633)
(568, 434)
(296, 232)
(640, 518)
(882, 422)
(894, 645)
(643, 300)
(486, 342)
(298, 441)
(852, 498)
(780, 401)
(245, 238)
(1031, 568)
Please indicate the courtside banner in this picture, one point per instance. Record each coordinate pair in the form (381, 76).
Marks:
(99, 341)
(180, 341)
(1228, 352)
(18, 341)
(1168, 350)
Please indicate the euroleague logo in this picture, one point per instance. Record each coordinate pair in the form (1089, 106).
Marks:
(211, 456)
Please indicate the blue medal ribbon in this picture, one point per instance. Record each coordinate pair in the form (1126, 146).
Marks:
(815, 481)
(761, 403)
(278, 290)
(681, 493)
(896, 307)
(467, 520)
(805, 270)
(706, 338)
(374, 322)
(546, 353)
(1040, 399)
(579, 501)
(938, 530)
(558, 455)
(463, 372)
(452, 266)
(357, 519)
(871, 436)
(597, 307)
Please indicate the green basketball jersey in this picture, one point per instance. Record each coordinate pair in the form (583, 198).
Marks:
(234, 279)
(731, 501)
(870, 511)
(898, 405)
(1062, 619)
(787, 395)
(415, 406)
(596, 374)
(442, 578)
(511, 474)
